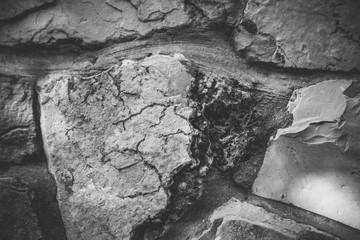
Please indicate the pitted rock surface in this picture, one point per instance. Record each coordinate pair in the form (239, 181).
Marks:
(301, 34)
(114, 140)
(17, 124)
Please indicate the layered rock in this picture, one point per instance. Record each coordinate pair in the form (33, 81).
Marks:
(114, 140)
(18, 138)
(318, 35)
(314, 163)
(240, 220)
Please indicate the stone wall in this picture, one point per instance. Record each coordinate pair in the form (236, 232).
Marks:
(186, 119)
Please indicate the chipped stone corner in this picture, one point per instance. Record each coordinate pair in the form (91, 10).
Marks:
(313, 164)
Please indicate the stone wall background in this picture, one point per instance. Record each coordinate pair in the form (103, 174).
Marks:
(132, 119)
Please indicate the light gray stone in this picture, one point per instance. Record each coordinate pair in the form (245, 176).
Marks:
(320, 34)
(314, 163)
(114, 140)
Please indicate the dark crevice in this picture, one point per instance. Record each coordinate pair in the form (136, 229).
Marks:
(296, 71)
(37, 115)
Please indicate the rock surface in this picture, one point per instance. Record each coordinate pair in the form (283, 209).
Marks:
(17, 218)
(318, 35)
(114, 140)
(13, 8)
(314, 163)
(240, 220)
(18, 138)
(93, 22)
(41, 192)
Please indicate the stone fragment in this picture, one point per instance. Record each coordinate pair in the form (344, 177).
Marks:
(17, 219)
(314, 163)
(326, 35)
(12, 8)
(17, 125)
(240, 220)
(114, 140)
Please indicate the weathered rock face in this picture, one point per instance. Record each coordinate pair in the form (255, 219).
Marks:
(114, 140)
(317, 35)
(314, 163)
(17, 124)
(239, 220)
(155, 113)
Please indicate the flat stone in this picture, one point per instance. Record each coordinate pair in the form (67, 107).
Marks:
(314, 163)
(114, 140)
(17, 218)
(93, 22)
(12, 8)
(236, 219)
(17, 125)
(326, 36)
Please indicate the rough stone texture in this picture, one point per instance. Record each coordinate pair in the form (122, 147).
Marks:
(138, 155)
(17, 218)
(218, 11)
(93, 22)
(240, 220)
(12, 8)
(314, 163)
(114, 140)
(17, 125)
(41, 190)
(154, 10)
(319, 34)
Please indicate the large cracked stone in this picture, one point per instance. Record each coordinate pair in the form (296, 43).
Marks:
(17, 125)
(319, 34)
(314, 163)
(114, 140)
(240, 220)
